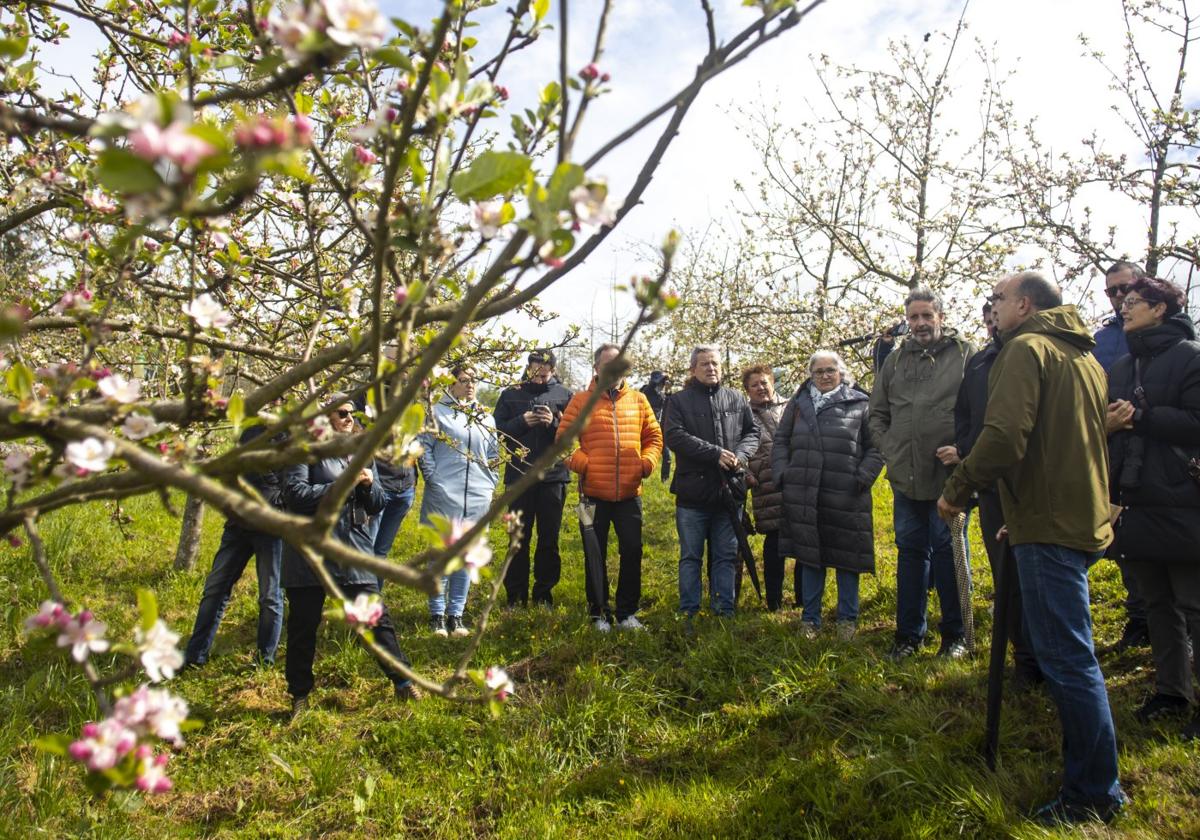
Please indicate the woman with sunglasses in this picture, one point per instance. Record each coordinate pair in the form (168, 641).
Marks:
(304, 486)
(459, 465)
(825, 464)
(1154, 439)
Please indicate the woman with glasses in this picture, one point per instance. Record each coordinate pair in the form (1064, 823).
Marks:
(459, 465)
(1154, 441)
(825, 463)
(304, 486)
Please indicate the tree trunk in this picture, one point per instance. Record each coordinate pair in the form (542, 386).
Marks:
(189, 534)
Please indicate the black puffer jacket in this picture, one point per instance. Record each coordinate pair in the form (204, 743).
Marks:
(826, 464)
(518, 437)
(698, 422)
(1161, 520)
(766, 497)
(304, 485)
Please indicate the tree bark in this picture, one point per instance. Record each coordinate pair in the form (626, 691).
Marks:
(189, 534)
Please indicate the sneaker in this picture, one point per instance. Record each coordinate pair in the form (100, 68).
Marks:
(1135, 634)
(601, 625)
(437, 625)
(299, 706)
(846, 630)
(454, 624)
(809, 629)
(1161, 706)
(630, 622)
(954, 648)
(1058, 811)
(902, 649)
(410, 693)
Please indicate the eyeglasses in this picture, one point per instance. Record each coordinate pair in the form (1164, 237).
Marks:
(466, 382)
(343, 413)
(825, 371)
(1119, 289)
(1131, 302)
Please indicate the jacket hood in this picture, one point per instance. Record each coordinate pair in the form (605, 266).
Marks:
(1060, 322)
(1153, 340)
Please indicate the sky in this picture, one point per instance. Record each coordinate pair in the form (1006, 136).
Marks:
(653, 47)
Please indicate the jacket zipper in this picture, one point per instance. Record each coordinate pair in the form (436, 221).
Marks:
(617, 438)
(467, 471)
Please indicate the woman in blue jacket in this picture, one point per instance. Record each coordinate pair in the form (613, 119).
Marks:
(459, 466)
(304, 485)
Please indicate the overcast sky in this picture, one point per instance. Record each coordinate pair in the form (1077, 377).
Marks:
(653, 47)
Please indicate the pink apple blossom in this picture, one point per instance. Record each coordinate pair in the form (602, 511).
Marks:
(365, 610)
(84, 635)
(590, 72)
(17, 464)
(364, 155)
(152, 778)
(99, 201)
(101, 745)
(51, 614)
(174, 143)
(496, 679)
(152, 711)
(320, 428)
(400, 296)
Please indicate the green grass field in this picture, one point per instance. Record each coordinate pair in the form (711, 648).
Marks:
(748, 730)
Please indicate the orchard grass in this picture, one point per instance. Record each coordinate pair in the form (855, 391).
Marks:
(747, 730)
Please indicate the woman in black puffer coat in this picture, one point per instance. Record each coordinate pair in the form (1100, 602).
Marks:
(1154, 427)
(825, 463)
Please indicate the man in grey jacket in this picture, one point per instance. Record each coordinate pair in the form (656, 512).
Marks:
(912, 416)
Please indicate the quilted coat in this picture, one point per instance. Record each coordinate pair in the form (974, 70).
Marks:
(621, 444)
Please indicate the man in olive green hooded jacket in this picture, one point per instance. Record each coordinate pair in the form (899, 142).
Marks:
(1044, 443)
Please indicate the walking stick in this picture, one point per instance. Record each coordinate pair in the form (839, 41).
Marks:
(1000, 619)
(962, 575)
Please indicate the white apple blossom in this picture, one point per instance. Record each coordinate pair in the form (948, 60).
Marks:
(487, 217)
(355, 23)
(158, 650)
(592, 204)
(320, 428)
(292, 26)
(152, 711)
(365, 610)
(17, 465)
(497, 679)
(206, 312)
(120, 389)
(100, 201)
(139, 425)
(90, 454)
(84, 635)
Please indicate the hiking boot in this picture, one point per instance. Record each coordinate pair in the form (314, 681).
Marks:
(809, 629)
(601, 625)
(1135, 634)
(1058, 811)
(846, 630)
(299, 706)
(454, 624)
(1161, 706)
(630, 622)
(437, 625)
(409, 693)
(955, 648)
(903, 649)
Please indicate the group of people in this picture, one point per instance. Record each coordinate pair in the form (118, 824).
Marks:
(1063, 462)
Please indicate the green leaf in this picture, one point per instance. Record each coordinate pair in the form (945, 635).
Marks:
(412, 420)
(227, 60)
(13, 48)
(56, 743)
(540, 7)
(148, 608)
(395, 57)
(235, 411)
(492, 174)
(122, 171)
(19, 379)
(566, 177)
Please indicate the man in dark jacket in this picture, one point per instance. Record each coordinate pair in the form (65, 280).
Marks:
(711, 429)
(969, 412)
(1111, 345)
(527, 418)
(1044, 442)
(304, 485)
(656, 394)
(912, 417)
(240, 542)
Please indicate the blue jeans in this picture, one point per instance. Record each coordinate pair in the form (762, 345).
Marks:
(696, 527)
(923, 546)
(1054, 597)
(238, 544)
(814, 589)
(455, 587)
(386, 525)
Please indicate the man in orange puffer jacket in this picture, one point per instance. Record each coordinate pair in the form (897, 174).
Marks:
(620, 445)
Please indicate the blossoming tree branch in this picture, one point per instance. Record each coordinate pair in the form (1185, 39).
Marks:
(249, 208)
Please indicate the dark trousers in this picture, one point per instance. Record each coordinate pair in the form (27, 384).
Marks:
(991, 517)
(1135, 603)
(305, 605)
(773, 569)
(1172, 599)
(238, 545)
(540, 506)
(626, 520)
